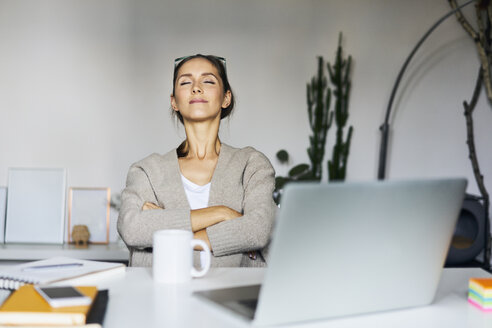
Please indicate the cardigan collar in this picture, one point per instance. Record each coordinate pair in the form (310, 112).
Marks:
(171, 186)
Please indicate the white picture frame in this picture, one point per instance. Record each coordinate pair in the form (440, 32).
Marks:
(90, 207)
(3, 213)
(35, 205)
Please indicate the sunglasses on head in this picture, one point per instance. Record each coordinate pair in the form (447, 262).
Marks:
(180, 59)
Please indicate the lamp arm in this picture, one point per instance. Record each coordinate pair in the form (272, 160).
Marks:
(384, 128)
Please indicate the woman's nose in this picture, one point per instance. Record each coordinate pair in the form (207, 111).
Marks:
(196, 89)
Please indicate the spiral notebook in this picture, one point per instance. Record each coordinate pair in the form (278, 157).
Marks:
(64, 270)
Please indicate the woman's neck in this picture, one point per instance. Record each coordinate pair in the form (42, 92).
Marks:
(202, 140)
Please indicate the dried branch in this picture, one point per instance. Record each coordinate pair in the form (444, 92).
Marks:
(489, 14)
(481, 27)
(482, 39)
(462, 20)
(472, 154)
(481, 42)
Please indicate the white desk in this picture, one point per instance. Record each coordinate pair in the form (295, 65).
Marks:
(32, 252)
(136, 301)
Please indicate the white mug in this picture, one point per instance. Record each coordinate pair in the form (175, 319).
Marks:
(173, 256)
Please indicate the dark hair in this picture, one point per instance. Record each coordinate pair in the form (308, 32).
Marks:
(219, 65)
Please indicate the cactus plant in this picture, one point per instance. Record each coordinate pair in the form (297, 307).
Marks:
(321, 117)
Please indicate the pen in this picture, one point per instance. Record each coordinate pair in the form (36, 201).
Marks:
(52, 266)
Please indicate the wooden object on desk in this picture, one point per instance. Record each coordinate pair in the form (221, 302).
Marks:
(80, 236)
(26, 307)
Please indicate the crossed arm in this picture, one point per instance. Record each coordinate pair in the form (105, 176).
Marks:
(203, 218)
(229, 232)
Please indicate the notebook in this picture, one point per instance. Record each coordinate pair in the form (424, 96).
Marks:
(57, 270)
(98, 309)
(349, 248)
(26, 307)
(95, 317)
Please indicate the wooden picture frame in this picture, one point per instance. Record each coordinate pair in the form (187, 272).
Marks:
(90, 207)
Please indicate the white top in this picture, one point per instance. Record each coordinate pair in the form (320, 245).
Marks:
(198, 198)
(197, 195)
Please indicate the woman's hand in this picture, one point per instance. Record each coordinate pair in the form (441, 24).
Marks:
(228, 213)
(202, 235)
(150, 206)
(208, 216)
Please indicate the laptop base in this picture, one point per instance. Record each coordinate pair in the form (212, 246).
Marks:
(241, 300)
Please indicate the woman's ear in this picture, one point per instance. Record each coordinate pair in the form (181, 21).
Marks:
(227, 99)
(173, 104)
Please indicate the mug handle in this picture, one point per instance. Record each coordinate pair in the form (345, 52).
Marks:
(206, 265)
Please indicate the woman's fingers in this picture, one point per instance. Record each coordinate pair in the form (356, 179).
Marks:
(202, 235)
(150, 206)
(230, 214)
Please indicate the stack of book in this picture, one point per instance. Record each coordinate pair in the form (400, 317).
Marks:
(480, 293)
(25, 307)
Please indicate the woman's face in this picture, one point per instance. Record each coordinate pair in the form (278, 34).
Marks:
(198, 93)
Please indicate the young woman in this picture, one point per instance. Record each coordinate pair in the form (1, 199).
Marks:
(222, 194)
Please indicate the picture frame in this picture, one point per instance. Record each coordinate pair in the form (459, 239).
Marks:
(90, 207)
(3, 212)
(35, 205)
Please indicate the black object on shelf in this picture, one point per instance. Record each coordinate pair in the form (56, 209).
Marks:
(470, 234)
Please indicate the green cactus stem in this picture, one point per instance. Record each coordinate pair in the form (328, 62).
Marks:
(320, 119)
(340, 78)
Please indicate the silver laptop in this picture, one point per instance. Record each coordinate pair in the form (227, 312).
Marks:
(340, 249)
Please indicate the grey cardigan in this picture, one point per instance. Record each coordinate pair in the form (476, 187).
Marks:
(243, 180)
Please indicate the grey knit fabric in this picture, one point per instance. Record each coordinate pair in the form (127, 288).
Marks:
(243, 180)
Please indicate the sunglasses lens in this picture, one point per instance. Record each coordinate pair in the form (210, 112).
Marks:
(179, 60)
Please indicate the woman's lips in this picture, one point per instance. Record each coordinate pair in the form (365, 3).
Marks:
(193, 101)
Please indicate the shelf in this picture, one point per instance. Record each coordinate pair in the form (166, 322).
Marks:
(31, 252)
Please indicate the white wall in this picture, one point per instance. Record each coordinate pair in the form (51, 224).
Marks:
(85, 84)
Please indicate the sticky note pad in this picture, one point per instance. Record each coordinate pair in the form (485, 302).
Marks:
(480, 293)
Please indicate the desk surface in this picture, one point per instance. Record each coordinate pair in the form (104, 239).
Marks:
(32, 252)
(136, 301)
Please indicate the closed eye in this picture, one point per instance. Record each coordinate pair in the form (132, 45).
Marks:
(210, 82)
(183, 83)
